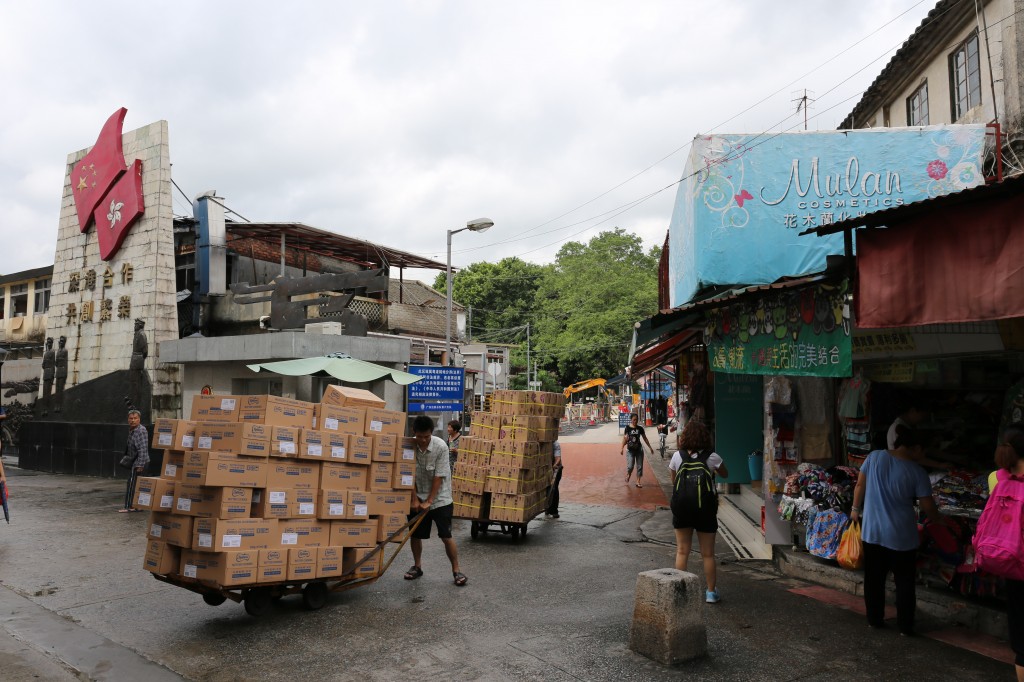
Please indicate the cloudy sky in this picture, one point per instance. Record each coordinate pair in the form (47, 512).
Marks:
(395, 121)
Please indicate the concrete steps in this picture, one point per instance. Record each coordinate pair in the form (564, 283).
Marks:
(739, 524)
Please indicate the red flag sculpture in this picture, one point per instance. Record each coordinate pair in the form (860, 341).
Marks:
(104, 193)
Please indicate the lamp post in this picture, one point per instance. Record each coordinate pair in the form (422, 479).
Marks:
(478, 225)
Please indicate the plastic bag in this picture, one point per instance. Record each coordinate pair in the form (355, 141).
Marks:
(851, 549)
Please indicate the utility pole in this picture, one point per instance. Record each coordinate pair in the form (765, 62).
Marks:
(527, 356)
(803, 102)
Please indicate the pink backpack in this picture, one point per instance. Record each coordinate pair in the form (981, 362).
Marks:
(999, 540)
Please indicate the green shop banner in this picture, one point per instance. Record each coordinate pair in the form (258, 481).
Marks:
(800, 332)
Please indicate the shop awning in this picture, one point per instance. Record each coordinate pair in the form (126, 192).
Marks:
(958, 262)
(344, 369)
(664, 352)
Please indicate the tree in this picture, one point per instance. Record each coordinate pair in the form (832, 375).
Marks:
(501, 295)
(589, 302)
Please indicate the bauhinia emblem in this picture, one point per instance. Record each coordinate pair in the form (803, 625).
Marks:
(103, 185)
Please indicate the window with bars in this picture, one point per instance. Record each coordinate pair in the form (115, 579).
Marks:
(917, 106)
(965, 77)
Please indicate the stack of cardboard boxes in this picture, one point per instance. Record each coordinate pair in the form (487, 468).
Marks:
(261, 489)
(504, 464)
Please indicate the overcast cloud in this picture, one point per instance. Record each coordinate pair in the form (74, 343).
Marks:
(394, 121)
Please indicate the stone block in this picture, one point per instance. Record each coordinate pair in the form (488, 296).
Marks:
(668, 617)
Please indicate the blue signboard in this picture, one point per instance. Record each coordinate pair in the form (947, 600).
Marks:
(744, 199)
(623, 419)
(440, 389)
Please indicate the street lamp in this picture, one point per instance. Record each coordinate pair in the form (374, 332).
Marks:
(478, 225)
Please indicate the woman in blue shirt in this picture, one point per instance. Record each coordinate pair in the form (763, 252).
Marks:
(889, 482)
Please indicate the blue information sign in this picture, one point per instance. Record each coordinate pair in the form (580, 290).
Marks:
(623, 420)
(439, 390)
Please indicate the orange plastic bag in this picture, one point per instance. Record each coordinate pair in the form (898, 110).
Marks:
(851, 550)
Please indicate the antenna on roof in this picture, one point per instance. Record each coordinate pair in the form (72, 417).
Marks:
(803, 102)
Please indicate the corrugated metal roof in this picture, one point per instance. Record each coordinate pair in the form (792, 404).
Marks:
(330, 244)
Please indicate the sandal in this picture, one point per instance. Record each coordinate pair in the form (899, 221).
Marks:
(460, 579)
(413, 573)
(122, 511)
(639, 486)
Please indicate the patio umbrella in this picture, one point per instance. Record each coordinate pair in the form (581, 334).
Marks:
(342, 368)
(3, 498)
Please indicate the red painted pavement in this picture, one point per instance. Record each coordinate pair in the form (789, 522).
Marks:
(962, 638)
(595, 474)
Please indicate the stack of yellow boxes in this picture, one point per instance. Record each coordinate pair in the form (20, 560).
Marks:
(504, 463)
(261, 489)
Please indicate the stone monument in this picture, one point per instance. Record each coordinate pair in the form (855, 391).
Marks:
(48, 371)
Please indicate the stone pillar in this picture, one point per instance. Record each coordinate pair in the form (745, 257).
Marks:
(668, 617)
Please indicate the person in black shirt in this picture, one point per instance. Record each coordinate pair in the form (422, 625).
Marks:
(632, 446)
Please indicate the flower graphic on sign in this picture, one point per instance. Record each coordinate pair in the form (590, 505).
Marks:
(937, 170)
(964, 175)
(114, 216)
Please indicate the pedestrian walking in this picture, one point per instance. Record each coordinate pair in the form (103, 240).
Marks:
(1010, 460)
(888, 483)
(695, 500)
(633, 439)
(433, 495)
(556, 478)
(138, 450)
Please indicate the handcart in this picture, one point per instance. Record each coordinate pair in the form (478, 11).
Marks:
(258, 598)
(516, 530)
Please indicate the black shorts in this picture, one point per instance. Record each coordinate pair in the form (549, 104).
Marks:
(442, 517)
(703, 521)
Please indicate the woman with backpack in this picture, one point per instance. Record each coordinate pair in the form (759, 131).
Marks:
(1010, 460)
(695, 501)
(888, 484)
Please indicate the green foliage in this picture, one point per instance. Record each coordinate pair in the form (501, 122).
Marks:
(581, 308)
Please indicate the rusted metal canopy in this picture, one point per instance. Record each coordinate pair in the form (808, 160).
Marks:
(324, 243)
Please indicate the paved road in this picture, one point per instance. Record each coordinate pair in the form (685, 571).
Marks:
(555, 607)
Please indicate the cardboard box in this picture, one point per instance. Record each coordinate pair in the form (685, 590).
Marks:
(326, 446)
(272, 503)
(350, 420)
(361, 562)
(303, 504)
(469, 506)
(385, 447)
(219, 535)
(516, 508)
(214, 408)
(533, 428)
(406, 450)
(223, 569)
(381, 421)
(358, 504)
(329, 562)
(332, 505)
(272, 565)
(153, 493)
(284, 474)
(227, 436)
(263, 402)
(224, 469)
(343, 396)
(216, 502)
(285, 441)
(174, 529)
(304, 533)
(404, 476)
(174, 463)
(360, 449)
(161, 558)
(342, 476)
(163, 433)
(381, 474)
(391, 523)
(302, 563)
(469, 478)
(475, 451)
(353, 533)
(173, 434)
(386, 504)
(298, 416)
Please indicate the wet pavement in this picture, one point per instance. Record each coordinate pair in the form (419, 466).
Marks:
(555, 606)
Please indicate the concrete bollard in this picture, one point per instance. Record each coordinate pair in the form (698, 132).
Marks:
(668, 617)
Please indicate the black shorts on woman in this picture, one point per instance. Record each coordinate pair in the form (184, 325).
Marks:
(703, 520)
